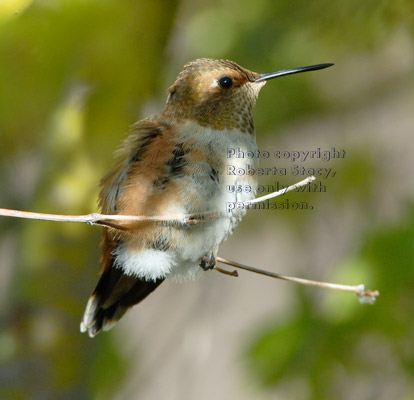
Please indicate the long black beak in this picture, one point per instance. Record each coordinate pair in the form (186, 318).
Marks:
(272, 75)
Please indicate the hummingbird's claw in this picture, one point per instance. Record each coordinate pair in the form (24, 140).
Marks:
(208, 262)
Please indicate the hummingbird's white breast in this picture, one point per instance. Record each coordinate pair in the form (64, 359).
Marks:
(203, 188)
(213, 193)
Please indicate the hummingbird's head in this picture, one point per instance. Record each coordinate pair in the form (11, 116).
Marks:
(221, 94)
(216, 93)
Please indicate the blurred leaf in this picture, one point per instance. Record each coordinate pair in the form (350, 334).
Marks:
(73, 77)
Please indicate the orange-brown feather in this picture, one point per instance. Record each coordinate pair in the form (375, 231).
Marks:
(128, 189)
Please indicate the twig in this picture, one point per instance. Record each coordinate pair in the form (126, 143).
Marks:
(365, 296)
(114, 221)
(111, 221)
(225, 272)
(280, 192)
(106, 220)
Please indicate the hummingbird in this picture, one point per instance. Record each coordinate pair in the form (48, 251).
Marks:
(174, 163)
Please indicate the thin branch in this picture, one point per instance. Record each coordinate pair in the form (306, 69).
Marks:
(107, 220)
(365, 296)
(225, 272)
(115, 222)
(280, 192)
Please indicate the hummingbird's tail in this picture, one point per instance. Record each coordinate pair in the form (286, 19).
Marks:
(115, 293)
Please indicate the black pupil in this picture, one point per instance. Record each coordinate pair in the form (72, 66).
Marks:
(225, 82)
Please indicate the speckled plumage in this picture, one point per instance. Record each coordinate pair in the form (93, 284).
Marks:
(195, 98)
(175, 164)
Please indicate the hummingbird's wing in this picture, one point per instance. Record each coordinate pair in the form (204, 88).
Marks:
(129, 189)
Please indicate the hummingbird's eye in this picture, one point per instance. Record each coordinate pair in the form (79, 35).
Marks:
(225, 82)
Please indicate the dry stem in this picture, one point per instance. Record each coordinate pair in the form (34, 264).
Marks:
(115, 222)
(109, 221)
(365, 296)
(280, 192)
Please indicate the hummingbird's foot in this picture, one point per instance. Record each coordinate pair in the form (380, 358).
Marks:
(208, 262)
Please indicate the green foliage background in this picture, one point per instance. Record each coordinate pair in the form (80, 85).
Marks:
(75, 74)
